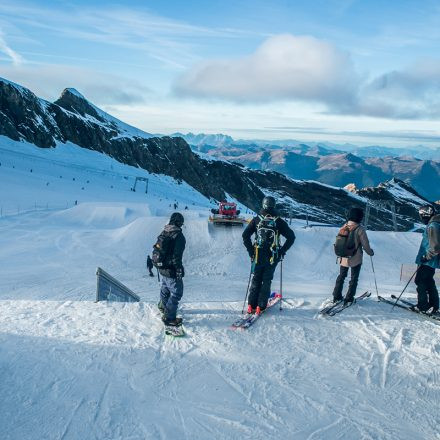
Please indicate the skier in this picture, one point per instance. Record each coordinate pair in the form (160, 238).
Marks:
(428, 260)
(150, 266)
(167, 257)
(266, 252)
(359, 238)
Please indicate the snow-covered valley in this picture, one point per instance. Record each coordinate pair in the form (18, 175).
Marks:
(75, 369)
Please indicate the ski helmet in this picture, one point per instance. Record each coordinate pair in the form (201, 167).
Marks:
(268, 203)
(426, 212)
(177, 219)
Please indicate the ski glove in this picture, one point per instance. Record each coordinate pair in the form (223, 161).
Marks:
(179, 273)
(280, 256)
(424, 259)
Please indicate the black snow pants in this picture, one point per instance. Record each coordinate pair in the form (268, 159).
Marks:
(260, 287)
(427, 294)
(343, 272)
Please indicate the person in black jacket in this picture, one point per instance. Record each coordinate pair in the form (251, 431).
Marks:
(171, 290)
(266, 252)
(150, 266)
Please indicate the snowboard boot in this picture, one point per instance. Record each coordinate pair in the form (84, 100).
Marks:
(161, 307)
(174, 323)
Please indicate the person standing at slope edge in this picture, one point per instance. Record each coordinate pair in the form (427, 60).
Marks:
(150, 266)
(266, 252)
(428, 260)
(352, 240)
(167, 257)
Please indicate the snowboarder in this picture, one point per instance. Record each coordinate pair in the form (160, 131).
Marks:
(357, 235)
(167, 257)
(150, 266)
(266, 252)
(428, 260)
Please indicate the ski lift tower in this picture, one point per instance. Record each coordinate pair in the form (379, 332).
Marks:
(141, 179)
(381, 204)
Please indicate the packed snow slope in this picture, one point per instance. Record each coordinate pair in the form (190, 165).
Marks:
(75, 369)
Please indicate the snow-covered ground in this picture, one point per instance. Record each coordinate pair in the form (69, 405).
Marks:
(75, 369)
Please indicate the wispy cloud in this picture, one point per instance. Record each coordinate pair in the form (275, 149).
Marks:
(101, 88)
(170, 41)
(15, 57)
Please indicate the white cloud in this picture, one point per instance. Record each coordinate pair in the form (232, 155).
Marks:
(15, 57)
(292, 68)
(284, 67)
(411, 93)
(100, 88)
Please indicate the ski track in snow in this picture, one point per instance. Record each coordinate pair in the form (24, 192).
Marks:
(75, 369)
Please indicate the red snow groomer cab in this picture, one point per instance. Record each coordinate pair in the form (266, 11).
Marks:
(227, 214)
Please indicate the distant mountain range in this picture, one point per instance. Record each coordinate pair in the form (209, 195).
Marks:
(328, 163)
(73, 119)
(222, 140)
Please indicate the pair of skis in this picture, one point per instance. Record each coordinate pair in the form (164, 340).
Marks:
(333, 309)
(407, 305)
(248, 319)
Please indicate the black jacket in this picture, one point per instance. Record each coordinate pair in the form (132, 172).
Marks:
(282, 227)
(149, 263)
(176, 251)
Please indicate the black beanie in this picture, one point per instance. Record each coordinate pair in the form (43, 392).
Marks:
(176, 219)
(356, 215)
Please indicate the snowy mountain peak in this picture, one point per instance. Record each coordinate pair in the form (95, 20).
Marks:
(14, 85)
(73, 91)
(75, 102)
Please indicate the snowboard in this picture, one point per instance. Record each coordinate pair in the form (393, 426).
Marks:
(174, 331)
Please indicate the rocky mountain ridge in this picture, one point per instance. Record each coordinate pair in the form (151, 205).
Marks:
(24, 116)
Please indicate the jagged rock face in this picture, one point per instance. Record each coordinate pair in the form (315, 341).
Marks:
(24, 116)
(72, 118)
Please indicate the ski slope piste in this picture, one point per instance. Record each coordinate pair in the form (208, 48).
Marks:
(75, 369)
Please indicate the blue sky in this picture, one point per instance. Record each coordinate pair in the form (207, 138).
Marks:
(337, 70)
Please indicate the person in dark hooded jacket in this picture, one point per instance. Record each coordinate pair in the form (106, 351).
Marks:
(171, 290)
(266, 252)
(428, 259)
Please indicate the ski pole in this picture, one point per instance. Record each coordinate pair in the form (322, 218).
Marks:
(407, 284)
(374, 275)
(247, 291)
(281, 285)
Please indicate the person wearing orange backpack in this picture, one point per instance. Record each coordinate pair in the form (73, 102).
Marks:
(350, 243)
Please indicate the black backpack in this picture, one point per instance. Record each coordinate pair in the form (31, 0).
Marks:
(345, 243)
(267, 235)
(162, 251)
